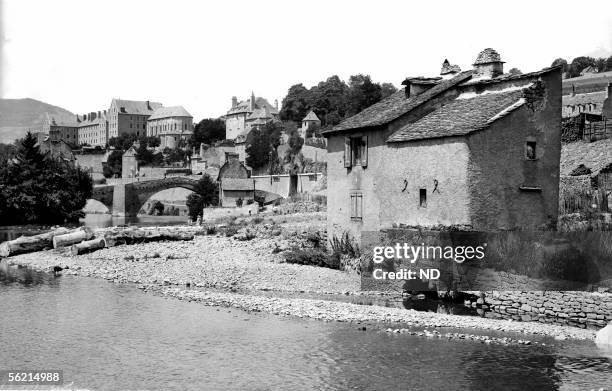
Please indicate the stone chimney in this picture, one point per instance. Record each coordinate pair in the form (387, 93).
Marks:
(77, 118)
(252, 101)
(449, 70)
(488, 64)
(276, 104)
(148, 105)
(234, 102)
(417, 85)
(99, 114)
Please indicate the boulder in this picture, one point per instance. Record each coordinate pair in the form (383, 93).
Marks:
(604, 337)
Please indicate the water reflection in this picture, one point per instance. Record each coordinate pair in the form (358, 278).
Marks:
(109, 336)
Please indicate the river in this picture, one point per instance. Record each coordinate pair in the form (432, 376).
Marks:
(111, 336)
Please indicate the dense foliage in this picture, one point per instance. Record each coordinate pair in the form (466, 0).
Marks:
(578, 64)
(262, 144)
(205, 194)
(207, 131)
(112, 168)
(35, 188)
(333, 100)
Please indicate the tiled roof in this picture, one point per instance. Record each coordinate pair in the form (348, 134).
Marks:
(311, 116)
(597, 98)
(461, 116)
(260, 113)
(245, 106)
(396, 105)
(510, 77)
(237, 184)
(172, 111)
(136, 106)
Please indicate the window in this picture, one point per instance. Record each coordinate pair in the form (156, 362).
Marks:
(530, 150)
(356, 206)
(423, 198)
(356, 151)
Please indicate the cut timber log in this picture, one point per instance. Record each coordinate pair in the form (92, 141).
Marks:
(28, 244)
(87, 246)
(144, 235)
(68, 239)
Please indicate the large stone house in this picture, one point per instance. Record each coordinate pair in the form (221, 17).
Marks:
(61, 129)
(93, 128)
(129, 117)
(247, 114)
(477, 149)
(170, 124)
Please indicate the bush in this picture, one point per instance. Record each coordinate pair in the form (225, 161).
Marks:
(345, 245)
(312, 257)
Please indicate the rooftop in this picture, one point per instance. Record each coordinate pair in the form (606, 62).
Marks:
(172, 111)
(311, 116)
(487, 56)
(136, 106)
(594, 155)
(245, 106)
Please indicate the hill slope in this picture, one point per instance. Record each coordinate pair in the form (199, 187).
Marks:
(19, 115)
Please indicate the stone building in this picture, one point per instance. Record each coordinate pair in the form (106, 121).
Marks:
(170, 124)
(57, 149)
(235, 183)
(129, 163)
(129, 117)
(93, 128)
(310, 121)
(480, 149)
(246, 114)
(58, 129)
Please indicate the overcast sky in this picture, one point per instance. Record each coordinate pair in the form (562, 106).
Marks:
(80, 54)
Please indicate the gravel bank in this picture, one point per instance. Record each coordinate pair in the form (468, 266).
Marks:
(239, 267)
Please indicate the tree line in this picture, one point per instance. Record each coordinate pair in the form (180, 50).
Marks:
(578, 64)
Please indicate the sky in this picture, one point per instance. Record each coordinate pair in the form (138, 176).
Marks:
(79, 54)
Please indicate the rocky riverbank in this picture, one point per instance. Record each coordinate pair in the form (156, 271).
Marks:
(220, 267)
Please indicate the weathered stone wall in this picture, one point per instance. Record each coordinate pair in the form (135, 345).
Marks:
(91, 162)
(580, 309)
(279, 184)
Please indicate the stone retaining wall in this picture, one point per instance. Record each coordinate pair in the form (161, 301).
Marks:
(580, 309)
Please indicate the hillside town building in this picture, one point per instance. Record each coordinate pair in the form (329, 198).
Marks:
(479, 149)
(129, 116)
(171, 125)
(93, 128)
(310, 121)
(589, 94)
(58, 129)
(248, 114)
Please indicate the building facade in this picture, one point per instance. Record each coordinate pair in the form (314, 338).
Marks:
(171, 125)
(245, 115)
(310, 121)
(61, 130)
(479, 149)
(93, 129)
(129, 117)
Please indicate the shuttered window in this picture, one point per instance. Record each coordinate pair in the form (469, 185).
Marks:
(356, 151)
(356, 206)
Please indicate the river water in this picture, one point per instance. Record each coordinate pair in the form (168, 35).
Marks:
(108, 336)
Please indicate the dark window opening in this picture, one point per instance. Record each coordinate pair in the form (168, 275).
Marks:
(423, 198)
(530, 150)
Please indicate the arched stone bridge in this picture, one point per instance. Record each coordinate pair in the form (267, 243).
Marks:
(126, 199)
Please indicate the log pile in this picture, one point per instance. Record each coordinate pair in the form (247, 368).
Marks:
(83, 239)
(28, 244)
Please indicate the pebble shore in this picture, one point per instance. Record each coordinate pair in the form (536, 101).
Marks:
(215, 270)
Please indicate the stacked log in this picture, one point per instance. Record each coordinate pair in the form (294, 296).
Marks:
(76, 236)
(27, 244)
(136, 235)
(88, 246)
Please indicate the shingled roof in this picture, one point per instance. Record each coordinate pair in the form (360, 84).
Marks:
(172, 111)
(311, 116)
(461, 116)
(136, 106)
(396, 105)
(245, 106)
(596, 98)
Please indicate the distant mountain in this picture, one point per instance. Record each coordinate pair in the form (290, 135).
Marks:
(17, 116)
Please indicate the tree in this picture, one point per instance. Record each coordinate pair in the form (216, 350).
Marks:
(259, 148)
(608, 64)
(205, 194)
(123, 142)
(115, 162)
(578, 64)
(515, 71)
(329, 100)
(296, 104)
(562, 62)
(387, 89)
(362, 93)
(157, 209)
(7, 151)
(35, 188)
(207, 131)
